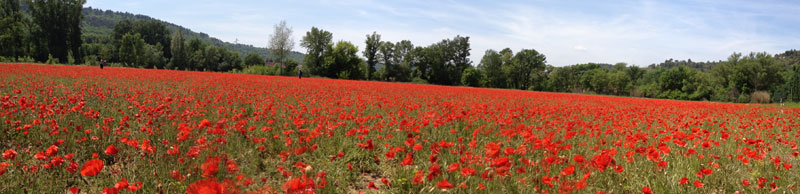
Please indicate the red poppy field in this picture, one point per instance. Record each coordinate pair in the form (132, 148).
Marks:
(71, 129)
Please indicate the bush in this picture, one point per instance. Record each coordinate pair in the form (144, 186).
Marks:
(759, 97)
(261, 70)
(418, 80)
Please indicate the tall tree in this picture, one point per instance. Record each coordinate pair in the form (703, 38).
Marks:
(280, 42)
(57, 28)
(373, 42)
(402, 60)
(385, 56)
(195, 50)
(317, 42)
(178, 50)
(132, 47)
(343, 62)
(492, 65)
(154, 33)
(528, 68)
(12, 29)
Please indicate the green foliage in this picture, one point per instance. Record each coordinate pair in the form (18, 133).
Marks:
(130, 49)
(98, 26)
(151, 32)
(180, 56)
(492, 65)
(343, 62)
(528, 70)
(261, 70)
(472, 77)
(253, 59)
(289, 68)
(56, 28)
(13, 30)
(444, 62)
(317, 42)
(402, 59)
(373, 42)
(386, 57)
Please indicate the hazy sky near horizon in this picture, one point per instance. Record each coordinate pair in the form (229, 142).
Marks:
(639, 32)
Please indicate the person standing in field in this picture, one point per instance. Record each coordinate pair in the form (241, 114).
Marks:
(102, 63)
(299, 73)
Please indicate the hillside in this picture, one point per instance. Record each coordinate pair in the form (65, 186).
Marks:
(98, 24)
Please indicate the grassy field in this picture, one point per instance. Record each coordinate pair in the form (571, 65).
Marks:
(85, 130)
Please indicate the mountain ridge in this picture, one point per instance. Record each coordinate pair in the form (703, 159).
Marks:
(97, 26)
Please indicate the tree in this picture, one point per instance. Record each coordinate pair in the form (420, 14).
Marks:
(280, 42)
(253, 59)
(492, 65)
(343, 62)
(447, 60)
(562, 79)
(317, 42)
(402, 60)
(13, 35)
(131, 48)
(154, 32)
(152, 57)
(472, 77)
(373, 42)
(57, 28)
(178, 50)
(196, 49)
(619, 82)
(386, 56)
(528, 67)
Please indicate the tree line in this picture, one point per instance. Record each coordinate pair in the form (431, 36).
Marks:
(754, 77)
(50, 31)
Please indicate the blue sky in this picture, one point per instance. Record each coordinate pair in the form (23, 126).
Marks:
(639, 32)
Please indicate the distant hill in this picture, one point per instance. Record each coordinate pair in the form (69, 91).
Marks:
(97, 26)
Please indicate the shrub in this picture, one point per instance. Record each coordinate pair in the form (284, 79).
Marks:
(261, 70)
(759, 97)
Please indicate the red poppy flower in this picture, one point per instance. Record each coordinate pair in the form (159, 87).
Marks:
(492, 149)
(706, 171)
(206, 186)
(569, 170)
(52, 150)
(92, 167)
(444, 184)
(646, 190)
(698, 184)
(9, 154)
(683, 181)
(452, 167)
(385, 181)
(111, 150)
(3, 168)
(210, 167)
(74, 190)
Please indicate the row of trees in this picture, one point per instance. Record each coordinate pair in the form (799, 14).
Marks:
(50, 31)
(43, 30)
(756, 77)
(440, 63)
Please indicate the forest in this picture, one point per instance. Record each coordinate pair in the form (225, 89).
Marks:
(64, 32)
